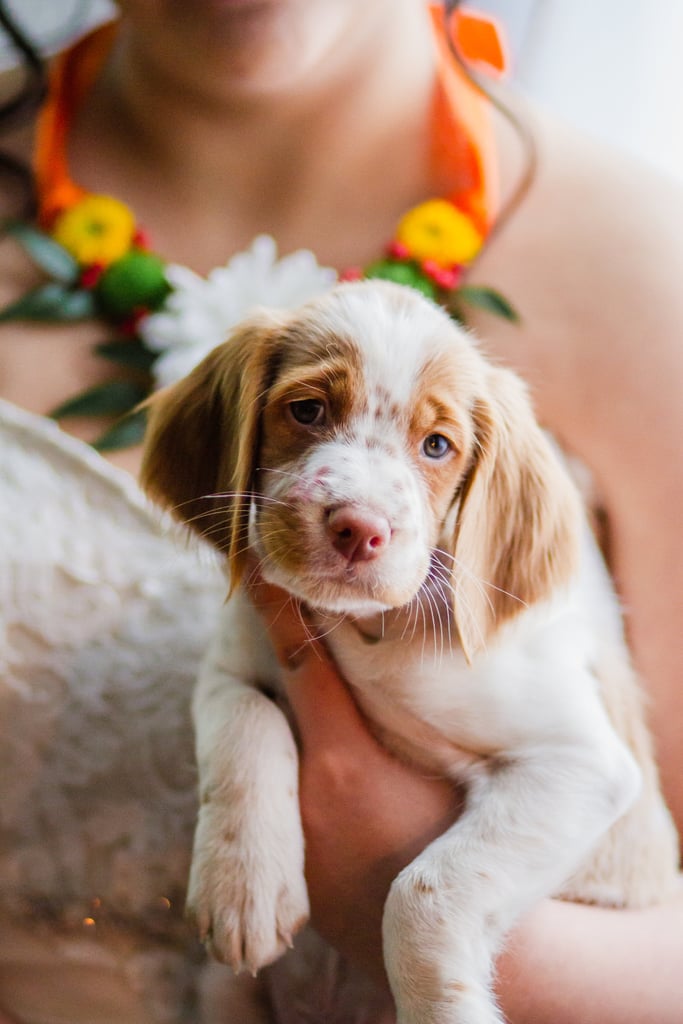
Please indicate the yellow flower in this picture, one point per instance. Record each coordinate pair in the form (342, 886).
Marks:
(438, 231)
(98, 229)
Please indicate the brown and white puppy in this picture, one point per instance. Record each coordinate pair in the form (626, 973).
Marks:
(385, 473)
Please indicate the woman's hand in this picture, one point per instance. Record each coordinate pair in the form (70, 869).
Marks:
(365, 813)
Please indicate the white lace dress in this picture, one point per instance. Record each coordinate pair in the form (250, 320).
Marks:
(103, 615)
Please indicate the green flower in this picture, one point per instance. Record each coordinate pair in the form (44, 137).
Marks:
(136, 281)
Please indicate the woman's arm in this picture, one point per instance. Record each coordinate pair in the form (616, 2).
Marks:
(567, 963)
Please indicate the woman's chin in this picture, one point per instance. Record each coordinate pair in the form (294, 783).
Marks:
(252, 47)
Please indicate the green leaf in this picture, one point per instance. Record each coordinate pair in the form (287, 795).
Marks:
(132, 354)
(113, 398)
(488, 299)
(125, 433)
(405, 272)
(51, 303)
(48, 254)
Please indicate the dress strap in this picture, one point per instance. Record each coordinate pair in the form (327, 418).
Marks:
(463, 134)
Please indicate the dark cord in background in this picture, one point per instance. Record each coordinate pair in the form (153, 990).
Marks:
(20, 107)
(521, 128)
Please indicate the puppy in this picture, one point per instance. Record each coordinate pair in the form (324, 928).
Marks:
(383, 472)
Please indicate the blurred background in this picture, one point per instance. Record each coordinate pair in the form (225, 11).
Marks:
(610, 67)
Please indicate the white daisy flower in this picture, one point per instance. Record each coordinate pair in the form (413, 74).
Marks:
(199, 312)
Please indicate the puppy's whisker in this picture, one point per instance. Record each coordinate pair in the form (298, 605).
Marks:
(464, 571)
(427, 604)
(270, 536)
(445, 579)
(257, 498)
(225, 494)
(179, 506)
(212, 529)
(465, 611)
(281, 472)
(423, 619)
(414, 617)
(407, 618)
(438, 627)
(274, 534)
(427, 608)
(309, 638)
(253, 573)
(257, 403)
(456, 563)
(224, 510)
(445, 556)
(223, 513)
(328, 632)
(294, 604)
(441, 590)
(438, 574)
(445, 597)
(506, 593)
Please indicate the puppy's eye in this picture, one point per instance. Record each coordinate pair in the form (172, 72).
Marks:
(436, 446)
(308, 411)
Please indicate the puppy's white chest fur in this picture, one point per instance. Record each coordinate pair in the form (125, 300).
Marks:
(427, 703)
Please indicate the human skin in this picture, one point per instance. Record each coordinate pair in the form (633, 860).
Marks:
(593, 261)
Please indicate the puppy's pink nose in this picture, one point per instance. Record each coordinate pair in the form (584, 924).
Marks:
(357, 534)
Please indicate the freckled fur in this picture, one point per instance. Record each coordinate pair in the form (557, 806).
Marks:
(484, 643)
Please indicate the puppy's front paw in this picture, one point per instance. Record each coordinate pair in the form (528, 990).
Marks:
(247, 890)
(438, 961)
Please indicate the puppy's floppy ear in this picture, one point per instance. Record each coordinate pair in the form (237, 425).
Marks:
(517, 526)
(202, 438)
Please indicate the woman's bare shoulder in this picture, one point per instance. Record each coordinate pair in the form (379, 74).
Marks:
(593, 259)
(620, 214)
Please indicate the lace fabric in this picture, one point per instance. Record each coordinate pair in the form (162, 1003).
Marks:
(103, 617)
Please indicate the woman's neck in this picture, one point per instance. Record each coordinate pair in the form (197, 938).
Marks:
(345, 144)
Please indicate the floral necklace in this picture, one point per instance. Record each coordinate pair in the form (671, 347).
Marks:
(99, 263)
